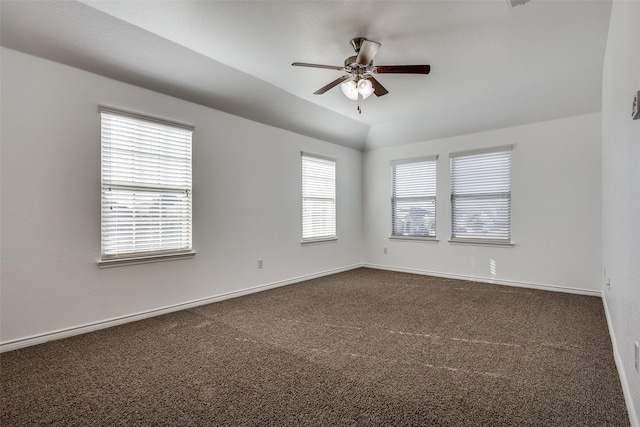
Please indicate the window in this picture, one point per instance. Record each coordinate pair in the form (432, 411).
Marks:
(318, 198)
(413, 198)
(481, 196)
(146, 187)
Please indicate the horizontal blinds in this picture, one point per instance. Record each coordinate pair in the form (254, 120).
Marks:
(413, 198)
(318, 198)
(146, 186)
(481, 196)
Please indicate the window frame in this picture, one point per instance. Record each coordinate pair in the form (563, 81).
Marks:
(432, 163)
(305, 238)
(140, 185)
(495, 195)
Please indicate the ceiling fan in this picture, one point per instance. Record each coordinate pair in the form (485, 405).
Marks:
(359, 81)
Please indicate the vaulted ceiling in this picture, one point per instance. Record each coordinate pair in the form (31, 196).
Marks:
(493, 65)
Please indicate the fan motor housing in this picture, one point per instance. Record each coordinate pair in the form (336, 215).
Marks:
(351, 66)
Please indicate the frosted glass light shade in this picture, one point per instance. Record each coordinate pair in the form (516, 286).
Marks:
(349, 89)
(365, 88)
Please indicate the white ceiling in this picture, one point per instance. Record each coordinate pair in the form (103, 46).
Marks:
(493, 66)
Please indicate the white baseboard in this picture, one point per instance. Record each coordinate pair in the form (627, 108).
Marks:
(94, 326)
(514, 283)
(626, 390)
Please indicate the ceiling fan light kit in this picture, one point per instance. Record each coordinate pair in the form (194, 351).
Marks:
(351, 89)
(365, 88)
(359, 82)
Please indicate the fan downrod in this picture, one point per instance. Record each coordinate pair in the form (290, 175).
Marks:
(357, 43)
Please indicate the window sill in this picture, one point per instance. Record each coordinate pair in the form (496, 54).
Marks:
(480, 242)
(415, 239)
(316, 241)
(118, 262)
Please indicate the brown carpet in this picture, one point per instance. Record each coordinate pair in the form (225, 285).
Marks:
(363, 348)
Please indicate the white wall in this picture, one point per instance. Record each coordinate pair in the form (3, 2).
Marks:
(247, 204)
(556, 213)
(621, 192)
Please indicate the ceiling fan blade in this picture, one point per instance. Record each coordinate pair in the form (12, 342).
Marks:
(379, 90)
(406, 69)
(334, 83)
(368, 50)
(330, 67)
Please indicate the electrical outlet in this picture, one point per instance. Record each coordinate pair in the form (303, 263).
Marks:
(637, 359)
(384, 251)
(260, 263)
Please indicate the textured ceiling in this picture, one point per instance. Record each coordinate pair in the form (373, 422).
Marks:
(493, 66)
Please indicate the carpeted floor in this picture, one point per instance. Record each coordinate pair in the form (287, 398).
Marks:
(362, 348)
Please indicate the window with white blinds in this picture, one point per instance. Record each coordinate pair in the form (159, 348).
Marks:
(481, 196)
(413, 198)
(318, 198)
(146, 186)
